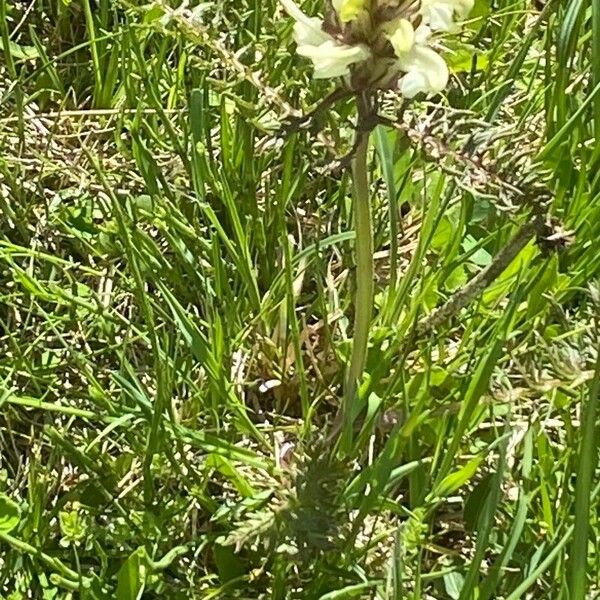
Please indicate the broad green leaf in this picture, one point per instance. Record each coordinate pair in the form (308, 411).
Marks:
(457, 279)
(480, 257)
(131, 579)
(443, 235)
(229, 564)
(226, 468)
(503, 284)
(456, 480)
(460, 58)
(453, 582)
(477, 17)
(22, 52)
(476, 501)
(10, 514)
(154, 13)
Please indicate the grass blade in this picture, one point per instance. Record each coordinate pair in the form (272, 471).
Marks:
(587, 462)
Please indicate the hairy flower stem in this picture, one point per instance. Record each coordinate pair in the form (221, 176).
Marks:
(363, 306)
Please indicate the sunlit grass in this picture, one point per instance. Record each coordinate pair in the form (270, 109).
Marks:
(177, 299)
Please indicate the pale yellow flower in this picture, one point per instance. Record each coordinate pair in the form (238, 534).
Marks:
(355, 38)
(425, 70)
(330, 57)
(402, 37)
(439, 15)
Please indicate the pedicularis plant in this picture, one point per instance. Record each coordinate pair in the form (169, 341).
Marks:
(373, 45)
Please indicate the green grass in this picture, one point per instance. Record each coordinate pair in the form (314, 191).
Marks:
(177, 298)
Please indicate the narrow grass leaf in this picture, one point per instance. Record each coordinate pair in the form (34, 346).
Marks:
(587, 463)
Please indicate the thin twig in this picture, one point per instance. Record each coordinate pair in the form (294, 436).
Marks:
(309, 120)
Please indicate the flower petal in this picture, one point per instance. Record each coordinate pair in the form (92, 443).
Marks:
(412, 84)
(464, 7)
(310, 32)
(292, 9)
(427, 69)
(403, 37)
(439, 14)
(307, 30)
(422, 35)
(332, 59)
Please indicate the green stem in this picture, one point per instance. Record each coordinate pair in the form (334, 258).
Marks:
(50, 561)
(363, 308)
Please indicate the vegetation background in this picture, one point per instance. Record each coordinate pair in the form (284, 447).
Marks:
(176, 292)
